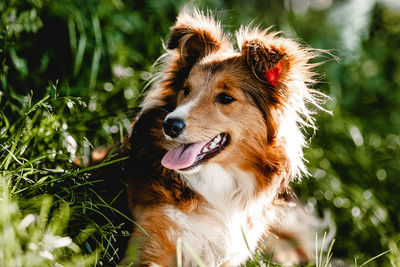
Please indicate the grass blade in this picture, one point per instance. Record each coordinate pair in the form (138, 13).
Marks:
(374, 258)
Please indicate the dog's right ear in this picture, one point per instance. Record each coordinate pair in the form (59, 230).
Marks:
(195, 35)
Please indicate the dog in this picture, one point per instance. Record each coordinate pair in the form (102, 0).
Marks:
(216, 144)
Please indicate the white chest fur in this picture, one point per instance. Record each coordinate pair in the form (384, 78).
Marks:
(216, 231)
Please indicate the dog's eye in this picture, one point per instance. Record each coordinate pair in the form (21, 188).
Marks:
(186, 91)
(224, 98)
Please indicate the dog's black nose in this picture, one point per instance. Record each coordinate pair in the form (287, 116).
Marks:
(173, 126)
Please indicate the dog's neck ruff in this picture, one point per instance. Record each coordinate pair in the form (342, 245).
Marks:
(232, 208)
(218, 184)
(227, 186)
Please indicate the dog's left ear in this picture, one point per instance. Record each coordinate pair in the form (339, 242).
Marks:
(267, 61)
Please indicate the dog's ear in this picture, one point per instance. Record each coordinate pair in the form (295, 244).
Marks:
(195, 35)
(266, 60)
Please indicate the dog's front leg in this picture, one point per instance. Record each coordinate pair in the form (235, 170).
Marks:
(150, 245)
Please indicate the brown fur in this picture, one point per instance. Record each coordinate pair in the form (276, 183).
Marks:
(201, 58)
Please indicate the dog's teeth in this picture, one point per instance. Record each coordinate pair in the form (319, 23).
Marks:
(212, 144)
(217, 139)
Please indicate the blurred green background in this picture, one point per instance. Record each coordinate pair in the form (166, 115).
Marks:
(102, 51)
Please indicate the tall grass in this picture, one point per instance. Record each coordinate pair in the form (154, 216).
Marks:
(50, 210)
(102, 51)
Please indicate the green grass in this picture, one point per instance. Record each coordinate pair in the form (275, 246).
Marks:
(46, 198)
(72, 74)
(49, 206)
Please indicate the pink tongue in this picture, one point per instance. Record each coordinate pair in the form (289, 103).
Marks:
(183, 156)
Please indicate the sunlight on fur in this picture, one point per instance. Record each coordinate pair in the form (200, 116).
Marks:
(218, 140)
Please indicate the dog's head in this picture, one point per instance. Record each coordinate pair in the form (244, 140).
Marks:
(242, 107)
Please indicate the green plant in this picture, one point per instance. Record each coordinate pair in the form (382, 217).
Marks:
(101, 52)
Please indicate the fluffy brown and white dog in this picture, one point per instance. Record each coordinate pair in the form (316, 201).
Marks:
(217, 142)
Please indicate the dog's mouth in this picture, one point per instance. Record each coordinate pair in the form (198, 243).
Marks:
(187, 156)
